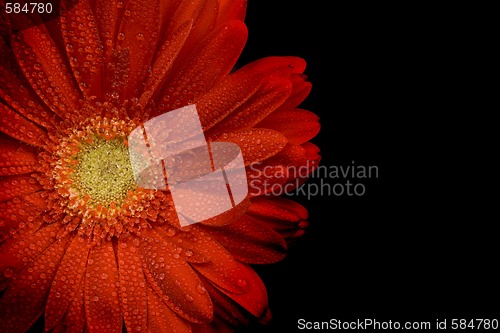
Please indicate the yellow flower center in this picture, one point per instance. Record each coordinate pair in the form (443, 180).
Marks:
(95, 189)
(103, 172)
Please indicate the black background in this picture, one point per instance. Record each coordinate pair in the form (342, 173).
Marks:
(420, 244)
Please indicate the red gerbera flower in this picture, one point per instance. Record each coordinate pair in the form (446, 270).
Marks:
(81, 243)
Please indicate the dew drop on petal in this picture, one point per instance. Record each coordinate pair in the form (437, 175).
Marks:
(9, 272)
(242, 283)
(201, 289)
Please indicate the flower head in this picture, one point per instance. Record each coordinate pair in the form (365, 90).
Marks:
(81, 242)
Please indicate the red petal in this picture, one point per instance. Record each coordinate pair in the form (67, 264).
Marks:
(168, 10)
(14, 186)
(297, 125)
(107, 16)
(250, 242)
(257, 144)
(185, 11)
(67, 283)
(312, 152)
(277, 208)
(132, 286)
(185, 241)
(204, 23)
(203, 13)
(18, 214)
(74, 319)
(83, 46)
(226, 96)
(279, 66)
(164, 60)
(139, 32)
(226, 308)
(206, 66)
(174, 280)
(220, 219)
(272, 94)
(45, 68)
(280, 173)
(303, 167)
(220, 267)
(18, 127)
(264, 177)
(161, 318)
(231, 10)
(286, 217)
(24, 300)
(216, 326)
(14, 90)
(15, 157)
(280, 81)
(254, 300)
(18, 253)
(102, 304)
(298, 166)
(301, 89)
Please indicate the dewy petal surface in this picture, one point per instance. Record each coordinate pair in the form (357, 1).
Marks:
(81, 243)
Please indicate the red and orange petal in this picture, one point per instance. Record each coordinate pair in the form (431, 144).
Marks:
(101, 71)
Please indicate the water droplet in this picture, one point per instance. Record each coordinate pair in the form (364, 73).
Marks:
(140, 36)
(95, 299)
(171, 232)
(104, 276)
(189, 298)
(119, 4)
(201, 289)
(242, 283)
(161, 276)
(9, 272)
